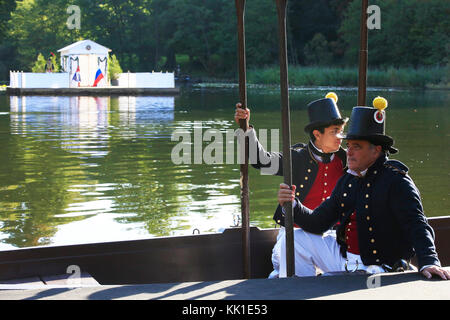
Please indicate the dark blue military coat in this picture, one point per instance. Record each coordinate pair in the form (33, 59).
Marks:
(390, 220)
(304, 169)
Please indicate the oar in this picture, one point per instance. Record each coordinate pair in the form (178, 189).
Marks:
(363, 53)
(286, 130)
(240, 11)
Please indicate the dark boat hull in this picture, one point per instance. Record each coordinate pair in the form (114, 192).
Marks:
(202, 257)
(206, 257)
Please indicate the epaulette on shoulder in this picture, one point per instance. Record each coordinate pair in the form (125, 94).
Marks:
(396, 166)
(299, 145)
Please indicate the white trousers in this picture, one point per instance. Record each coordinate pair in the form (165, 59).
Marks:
(312, 252)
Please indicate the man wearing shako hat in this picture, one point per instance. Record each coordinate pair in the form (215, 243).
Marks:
(381, 220)
(316, 167)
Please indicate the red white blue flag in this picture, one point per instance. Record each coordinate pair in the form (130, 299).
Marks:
(76, 76)
(98, 77)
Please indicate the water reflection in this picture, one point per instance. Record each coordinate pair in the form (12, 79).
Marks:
(79, 160)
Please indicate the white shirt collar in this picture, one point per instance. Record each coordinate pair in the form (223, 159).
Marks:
(354, 173)
(319, 158)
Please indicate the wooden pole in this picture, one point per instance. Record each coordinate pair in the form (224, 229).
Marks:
(287, 163)
(363, 55)
(240, 11)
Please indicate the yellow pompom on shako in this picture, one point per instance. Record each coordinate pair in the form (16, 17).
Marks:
(368, 123)
(333, 96)
(380, 103)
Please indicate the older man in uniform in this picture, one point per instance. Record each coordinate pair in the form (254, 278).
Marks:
(377, 205)
(316, 167)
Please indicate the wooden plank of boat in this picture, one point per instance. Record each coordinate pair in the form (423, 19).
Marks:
(205, 257)
(202, 257)
(46, 282)
(391, 286)
(70, 279)
(30, 282)
(441, 227)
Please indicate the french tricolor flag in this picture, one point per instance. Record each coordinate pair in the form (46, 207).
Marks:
(98, 77)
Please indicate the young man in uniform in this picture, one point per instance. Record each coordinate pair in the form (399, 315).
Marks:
(377, 205)
(316, 167)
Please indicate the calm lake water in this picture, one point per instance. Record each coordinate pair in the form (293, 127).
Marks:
(94, 169)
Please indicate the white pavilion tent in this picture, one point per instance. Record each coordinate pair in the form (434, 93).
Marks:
(89, 56)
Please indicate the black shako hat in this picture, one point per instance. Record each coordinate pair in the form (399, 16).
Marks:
(323, 113)
(368, 124)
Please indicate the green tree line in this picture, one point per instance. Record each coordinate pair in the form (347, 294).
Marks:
(200, 35)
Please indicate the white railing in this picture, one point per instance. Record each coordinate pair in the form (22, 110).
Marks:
(147, 80)
(38, 80)
(20, 79)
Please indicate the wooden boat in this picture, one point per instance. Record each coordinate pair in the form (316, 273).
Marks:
(204, 257)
